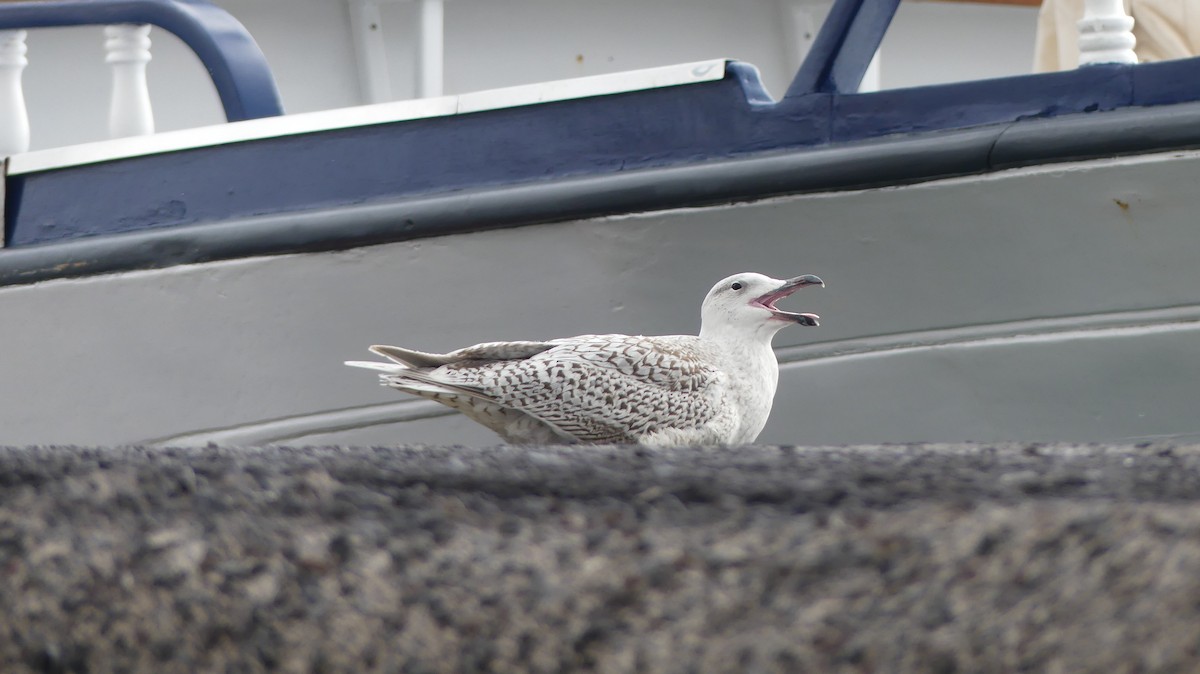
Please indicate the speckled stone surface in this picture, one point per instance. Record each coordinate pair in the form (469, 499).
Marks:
(924, 558)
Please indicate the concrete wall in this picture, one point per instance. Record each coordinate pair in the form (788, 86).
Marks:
(491, 44)
(907, 560)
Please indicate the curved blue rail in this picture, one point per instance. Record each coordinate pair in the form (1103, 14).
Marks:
(235, 63)
(612, 153)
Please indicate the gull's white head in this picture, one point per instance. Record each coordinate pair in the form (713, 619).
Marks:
(744, 305)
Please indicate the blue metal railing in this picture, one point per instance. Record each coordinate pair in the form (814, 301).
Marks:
(234, 62)
(844, 48)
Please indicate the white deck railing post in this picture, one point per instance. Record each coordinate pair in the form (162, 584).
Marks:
(1105, 33)
(430, 52)
(14, 118)
(128, 49)
(366, 24)
(870, 80)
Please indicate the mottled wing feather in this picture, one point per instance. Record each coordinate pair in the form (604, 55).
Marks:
(499, 351)
(605, 388)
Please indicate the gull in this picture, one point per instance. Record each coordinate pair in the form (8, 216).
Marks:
(715, 388)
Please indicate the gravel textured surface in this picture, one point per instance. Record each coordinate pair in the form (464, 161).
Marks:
(924, 558)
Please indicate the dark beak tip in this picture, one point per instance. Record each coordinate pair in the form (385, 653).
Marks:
(805, 280)
(811, 320)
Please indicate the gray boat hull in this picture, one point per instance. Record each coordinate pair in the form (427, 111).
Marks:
(1045, 303)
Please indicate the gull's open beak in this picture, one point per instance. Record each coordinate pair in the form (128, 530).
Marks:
(790, 286)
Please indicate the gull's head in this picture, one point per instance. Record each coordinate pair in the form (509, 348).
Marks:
(744, 304)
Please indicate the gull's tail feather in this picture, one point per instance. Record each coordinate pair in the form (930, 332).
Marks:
(408, 378)
(411, 358)
(390, 368)
(403, 375)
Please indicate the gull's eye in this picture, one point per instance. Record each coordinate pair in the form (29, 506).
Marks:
(736, 285)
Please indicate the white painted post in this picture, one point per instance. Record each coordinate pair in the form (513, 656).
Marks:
(430, 52)
(366, 24)
(128, 48)
(1105, 33)
(14, 119)
(799, 31)
(870, 80)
